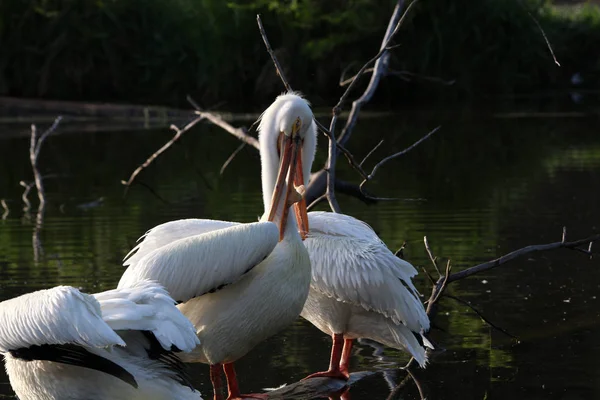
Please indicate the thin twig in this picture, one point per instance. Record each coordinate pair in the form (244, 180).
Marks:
(352, 78)
(400, 252)
(431, 257)
(543, 34)
(431, 280)
(487, 321)
(444, 282)
(278, 68)
(349, 156)
(165, 147)
(231, 157)
(391, 157)
(48, 132)
(371, 152)
(417, 384)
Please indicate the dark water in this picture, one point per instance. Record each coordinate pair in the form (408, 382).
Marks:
(491, 185)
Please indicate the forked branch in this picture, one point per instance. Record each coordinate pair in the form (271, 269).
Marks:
(165, 147)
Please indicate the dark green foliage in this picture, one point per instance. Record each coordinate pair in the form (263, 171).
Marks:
(151, 51)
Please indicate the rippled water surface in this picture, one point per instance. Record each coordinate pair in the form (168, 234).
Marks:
(488, 185)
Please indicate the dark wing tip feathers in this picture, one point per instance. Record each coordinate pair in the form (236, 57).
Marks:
(76, 355)
(168, 358)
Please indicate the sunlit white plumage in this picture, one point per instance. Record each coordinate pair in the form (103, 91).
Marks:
(359, 288)
(239, 283)
(61, 343)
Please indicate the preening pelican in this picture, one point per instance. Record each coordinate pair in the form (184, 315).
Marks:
(240, 283)
(359, 289)
(62, 344)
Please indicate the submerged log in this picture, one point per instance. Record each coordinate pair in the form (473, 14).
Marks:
(316, 387)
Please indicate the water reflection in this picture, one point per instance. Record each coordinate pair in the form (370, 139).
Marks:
(492, 185)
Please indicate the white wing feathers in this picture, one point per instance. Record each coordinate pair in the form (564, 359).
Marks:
(195, 265)
(54, 316)
(146, 306)
(351, 264)
(171, 231)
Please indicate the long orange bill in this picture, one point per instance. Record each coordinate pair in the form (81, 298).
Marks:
(300, 207)
(295, 148)
(283, 170)
(287, 170)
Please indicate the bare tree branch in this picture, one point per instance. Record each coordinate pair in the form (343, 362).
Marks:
(48, 132)
(370, 152)
(417, 384)
(431, 257)
(165, 147)
(330, 168)
(240, 133)
(381, 61)
(231, 157)
(391, 157)
(542, 31)
(35, 146)
(278, 68)
(480, 315)
(519, 253)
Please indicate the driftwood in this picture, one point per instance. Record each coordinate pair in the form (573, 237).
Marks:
(315, 388)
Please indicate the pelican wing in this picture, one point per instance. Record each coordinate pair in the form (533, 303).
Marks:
(146, 306)
(61, 315)
(199, 264)
(351, 264)
(171, 231)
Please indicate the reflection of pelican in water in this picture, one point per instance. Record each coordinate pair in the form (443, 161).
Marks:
(359, 289)
(240, 283)
(62, 344)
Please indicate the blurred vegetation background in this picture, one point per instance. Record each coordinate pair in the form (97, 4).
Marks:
(157, 52)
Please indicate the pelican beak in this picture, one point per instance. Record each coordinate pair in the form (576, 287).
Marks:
(290, 147)
(300, 206)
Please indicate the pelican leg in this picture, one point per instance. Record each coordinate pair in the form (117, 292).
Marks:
(346, 353)
(334, 362)
(215, 378)
(234, 389)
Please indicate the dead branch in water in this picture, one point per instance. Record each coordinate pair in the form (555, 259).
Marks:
(25, 195)
(35, 145)
(5, 208)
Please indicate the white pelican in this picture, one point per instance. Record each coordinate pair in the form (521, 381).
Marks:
(359, 289)
(62, 344)
(240, 283)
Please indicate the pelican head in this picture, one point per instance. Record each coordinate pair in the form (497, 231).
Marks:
(287, 136)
